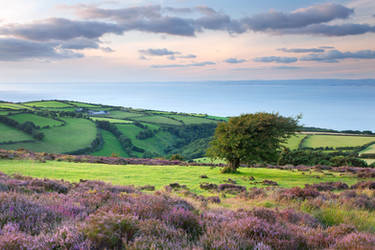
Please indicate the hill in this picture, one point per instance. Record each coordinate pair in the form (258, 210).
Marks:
(102, 130)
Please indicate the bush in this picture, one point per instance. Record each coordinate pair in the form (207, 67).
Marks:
(110, 230)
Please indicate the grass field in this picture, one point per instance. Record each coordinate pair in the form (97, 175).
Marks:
(191, 119)
(11, 134)
(37, 120)
(157, 119)
(111, 145)
(111, 120)
(369, 150)
(123, 114)
(294, 141)
(76, 134)
(13, 106)
(160, 176)
(156, 144)
(48, 104)
(84, 105)
(315, 141)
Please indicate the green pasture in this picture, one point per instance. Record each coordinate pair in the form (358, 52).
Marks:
(157, 143)
(111, 145)
(76, 134)
(188, 120)
(111, 120)
(294, 141)
(84, 105)
(315, 141)
(8, 133)
(157, 119)
(48, 104)
(159, 176)
(36, 119)
(368, 150)
(13, 106)
(123, 114)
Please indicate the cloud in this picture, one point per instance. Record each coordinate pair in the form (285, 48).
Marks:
(199, 64)
(302, 50)
(80, 44)
(234, 60)
(276, 59)
(332, 30)
(299, 18)
(335, 56)
(158, 52)
(12, 49)
(287, 67)
(190, 56)
(60, 29)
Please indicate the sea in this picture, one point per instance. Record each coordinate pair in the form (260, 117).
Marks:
(325, 103)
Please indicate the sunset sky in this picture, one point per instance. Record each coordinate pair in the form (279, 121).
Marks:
(135, 40)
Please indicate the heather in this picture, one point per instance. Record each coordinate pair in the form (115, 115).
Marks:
(55, 214)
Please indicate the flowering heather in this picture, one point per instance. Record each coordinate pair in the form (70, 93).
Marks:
(48, 214)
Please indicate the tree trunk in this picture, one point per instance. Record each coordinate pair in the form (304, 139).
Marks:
(232, 166)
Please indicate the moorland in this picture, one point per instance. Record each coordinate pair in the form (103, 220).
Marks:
(87, 176)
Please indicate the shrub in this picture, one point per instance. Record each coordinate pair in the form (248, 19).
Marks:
(110, 230)
(184, 219)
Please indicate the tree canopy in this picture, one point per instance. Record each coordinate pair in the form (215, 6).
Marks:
(251, 138)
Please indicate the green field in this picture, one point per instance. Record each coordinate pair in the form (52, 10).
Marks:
(123, 114)
(36, 119)
(84, 105)
(13, 106)
(11, 134)
(160, 176)
(369, 150)
(156, 144)
(111, 120)
(111, 145)
(48, 104)
(75, 135)
(187, 120)
(294, 141)
(157, 119)
(315, 141)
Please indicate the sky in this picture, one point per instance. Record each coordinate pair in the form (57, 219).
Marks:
(180, 40)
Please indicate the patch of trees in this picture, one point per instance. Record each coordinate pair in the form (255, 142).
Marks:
(314, 129)
(145, 134)
(125, 142)
(312, 157)
(27, 127)
(192, 140)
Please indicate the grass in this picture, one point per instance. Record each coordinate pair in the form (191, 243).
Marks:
(191, 119)
(157, 119)
(208, 160)
(111, 145)
(76, 134)
(369, 161)
(315, 141)
(84, 105)
(111, 120)
(294, 141)
(123, 114)
(13, 106)
(12, 134)
(157, 143)
(48, 104)
(159, 176)
(37, 120)
(369, 150)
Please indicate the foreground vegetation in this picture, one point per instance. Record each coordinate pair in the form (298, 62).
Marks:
(50, 214)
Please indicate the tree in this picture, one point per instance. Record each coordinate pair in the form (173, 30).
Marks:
(251, 138)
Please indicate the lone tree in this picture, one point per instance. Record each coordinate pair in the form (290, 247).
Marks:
(251, 138)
